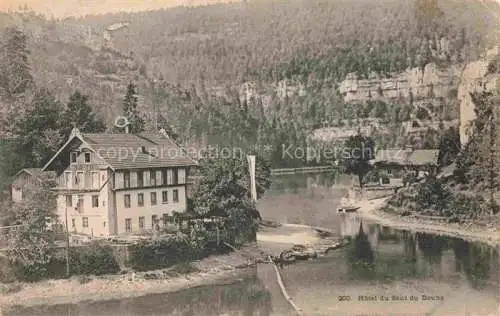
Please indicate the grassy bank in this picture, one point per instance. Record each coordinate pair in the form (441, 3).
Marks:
(374, 211)
(211, 270)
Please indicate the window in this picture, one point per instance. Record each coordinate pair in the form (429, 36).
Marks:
(68, 179)
(128, 225)
(175, 176)
(140, 199)
(141, 222)
(164, 197)
(164, 177)
(95, 200)
(153, 198)
(95, 179)
(87, 157)
(103, 224)
(73, 157)
(154, 221)
(79, 205)
(389, 171)
(79, 178)
(126, 179)
(69, 201)
(126, 200)
(152, 178)
(165, 219)
(88, 180)
(73, 224)
(140, 179)
(85, 222)
(175, 196)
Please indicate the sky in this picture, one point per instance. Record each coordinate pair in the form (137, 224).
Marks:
(65, 8)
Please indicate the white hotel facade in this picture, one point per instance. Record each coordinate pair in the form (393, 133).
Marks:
(115, 184)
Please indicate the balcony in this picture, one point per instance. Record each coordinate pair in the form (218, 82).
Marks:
(78, 182)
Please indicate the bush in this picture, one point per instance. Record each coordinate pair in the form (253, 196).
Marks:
(184, 268)
(7, 271)
(158, 254)
(469, 207)
(432, 194)
(10, 288)
(175, 249)
(84, 279)
(94, 259)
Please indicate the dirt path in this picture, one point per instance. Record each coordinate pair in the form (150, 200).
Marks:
(219, 269)
(371, 211)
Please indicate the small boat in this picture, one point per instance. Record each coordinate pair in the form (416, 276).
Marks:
(287, 256)
(347, 209)
(347, 203)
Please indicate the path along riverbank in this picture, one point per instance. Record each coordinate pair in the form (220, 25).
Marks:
(372, 210)
(220, 269)
(217, 269)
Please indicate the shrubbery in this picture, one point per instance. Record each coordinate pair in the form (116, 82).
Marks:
(172, 250)
(94, 259)
(434, 197)
(432, 194)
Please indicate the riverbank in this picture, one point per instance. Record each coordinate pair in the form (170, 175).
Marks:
(213, 270)
(372, 210)
(217, 269)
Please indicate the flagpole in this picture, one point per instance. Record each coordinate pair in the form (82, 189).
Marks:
(67, 243)
(253, 188)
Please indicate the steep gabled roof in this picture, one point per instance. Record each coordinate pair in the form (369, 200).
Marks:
(132, 151)
(34, 172)
(418, 157)
(424, 157)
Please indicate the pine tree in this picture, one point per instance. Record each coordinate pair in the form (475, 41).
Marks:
(15, 77)
(39, 130)
(79, 114)
(130, 110)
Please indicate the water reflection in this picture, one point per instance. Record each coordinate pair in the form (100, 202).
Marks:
(248, 297)
(388, 254)
(360, 256)
(476, 261)
(432, 246)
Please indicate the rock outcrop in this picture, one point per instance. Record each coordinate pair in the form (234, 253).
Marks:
(474, 78)
(429, 85)
(416, 83)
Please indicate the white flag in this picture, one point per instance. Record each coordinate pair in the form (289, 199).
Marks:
(253, 188)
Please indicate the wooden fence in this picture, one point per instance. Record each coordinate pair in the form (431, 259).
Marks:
(302, 170)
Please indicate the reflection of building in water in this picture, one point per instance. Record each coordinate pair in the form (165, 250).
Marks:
(350, 226)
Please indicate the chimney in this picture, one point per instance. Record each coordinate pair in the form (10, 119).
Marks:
(164, 133)
(75, 132)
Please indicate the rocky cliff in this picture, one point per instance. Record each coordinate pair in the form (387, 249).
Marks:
(416, 83)
(475, 78)
(430, 85)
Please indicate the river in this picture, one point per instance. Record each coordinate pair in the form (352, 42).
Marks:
(383, 272)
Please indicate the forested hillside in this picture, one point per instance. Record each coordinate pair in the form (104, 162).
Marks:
(257, 72)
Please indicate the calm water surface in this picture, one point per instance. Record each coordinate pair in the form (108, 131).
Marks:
(419, 274)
